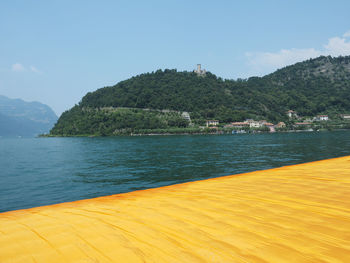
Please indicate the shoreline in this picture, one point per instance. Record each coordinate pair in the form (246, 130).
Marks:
(183, 134)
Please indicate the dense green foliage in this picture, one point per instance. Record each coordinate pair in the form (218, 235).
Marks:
(205, 97)
(316, 86)
(312, 87)
(89, 121)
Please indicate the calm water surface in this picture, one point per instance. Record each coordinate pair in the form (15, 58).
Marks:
(42, 171)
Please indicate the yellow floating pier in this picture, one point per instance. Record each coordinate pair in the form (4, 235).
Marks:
(297, 213)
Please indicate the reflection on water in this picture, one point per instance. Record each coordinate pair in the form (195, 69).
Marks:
(41, 171)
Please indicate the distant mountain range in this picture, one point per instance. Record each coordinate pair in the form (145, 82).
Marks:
(21, 118)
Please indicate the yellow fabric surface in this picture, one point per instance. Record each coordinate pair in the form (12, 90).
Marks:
(296, 213)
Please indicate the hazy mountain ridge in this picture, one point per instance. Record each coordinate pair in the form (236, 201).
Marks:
(327, 67)
(21, 118)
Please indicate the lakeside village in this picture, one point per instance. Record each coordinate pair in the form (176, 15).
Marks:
(294, 123)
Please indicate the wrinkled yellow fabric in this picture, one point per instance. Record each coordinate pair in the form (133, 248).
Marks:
(297, 213)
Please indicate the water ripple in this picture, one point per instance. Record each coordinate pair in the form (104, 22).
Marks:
(42, 171)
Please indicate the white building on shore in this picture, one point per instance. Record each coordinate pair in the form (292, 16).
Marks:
(254, 124)
(211, 123)
(322, 118)
(292, 114)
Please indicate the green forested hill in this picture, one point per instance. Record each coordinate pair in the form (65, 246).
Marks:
(316, 86)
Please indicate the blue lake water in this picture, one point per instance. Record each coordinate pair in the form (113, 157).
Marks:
(43, 171)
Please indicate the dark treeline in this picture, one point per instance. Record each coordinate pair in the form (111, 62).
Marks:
(316, 86)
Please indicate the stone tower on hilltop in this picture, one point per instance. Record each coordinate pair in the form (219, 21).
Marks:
(199, 70)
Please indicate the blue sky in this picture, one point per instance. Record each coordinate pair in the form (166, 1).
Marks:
(57, 51)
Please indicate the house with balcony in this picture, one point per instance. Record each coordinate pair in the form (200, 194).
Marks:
(254, 124)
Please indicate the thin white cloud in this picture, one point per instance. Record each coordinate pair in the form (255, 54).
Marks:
(337, 46)
(18, 67)
(35, 70)
(261, 63)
